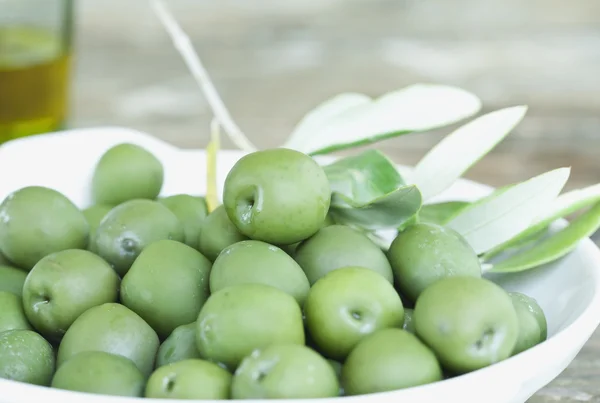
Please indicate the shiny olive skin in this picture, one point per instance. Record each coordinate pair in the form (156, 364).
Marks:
(130, 227)
(533, 327)
(425, 253)
(468, 322)
(25, 356)
(348, 304)
(94, 215)
(12, 279)
(191, 212)
(167, 285)
(62, 286)
(217, 233)
(337, 246)
(126, 172)
(12, 316)
(389, 359)
(408, 324)
(241, 318)
(284, 371)
(114, 329)
(259, 262)
(179, 346)
(280, 196)
(189, 379)
(38, 221)
(100, 373)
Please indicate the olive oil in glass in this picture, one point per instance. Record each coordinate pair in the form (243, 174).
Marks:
(35, 56)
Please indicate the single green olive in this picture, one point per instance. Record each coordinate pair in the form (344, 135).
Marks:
(132, 226)
(100, 373)
(425, 253)
(115, 329)
(280, 196)
(179, 346)
(240, 318)
(284, 371)
(37, 221)
(126, 172)
(62, 286)
(189, 379)
(469, 322)
(191, 212)
(389, 359)
(533, 327)
(337, 246)
(167, 285)
(259, 262)
(217, 233)
(25, 356)
(348, 304)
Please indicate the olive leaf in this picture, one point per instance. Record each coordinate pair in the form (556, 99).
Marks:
(555, 246)
(351, 120)
(369, 192)
(564, 205)
(315, 119)
(363, 177)
(492, 221)
(441, 213)
(385, 212)
(448, 160)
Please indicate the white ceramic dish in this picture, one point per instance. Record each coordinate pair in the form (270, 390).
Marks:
(568, 291)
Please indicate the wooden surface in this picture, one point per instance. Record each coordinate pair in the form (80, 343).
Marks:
(272, 61)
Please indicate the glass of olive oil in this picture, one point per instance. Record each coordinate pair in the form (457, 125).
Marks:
(35, 55)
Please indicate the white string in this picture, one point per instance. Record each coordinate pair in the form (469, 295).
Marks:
(184, 46)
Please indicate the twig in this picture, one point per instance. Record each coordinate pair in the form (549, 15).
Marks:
(184, 46)
(212, 150)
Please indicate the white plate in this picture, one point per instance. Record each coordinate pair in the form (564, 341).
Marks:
(567, 290)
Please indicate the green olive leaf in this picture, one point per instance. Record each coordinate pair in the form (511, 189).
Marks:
(441, 213)
(564, 205)
(369, 193)
(555, 246)
(457, 152)
(363, 177)
(350, 120)
(490, 222)
(385, 212)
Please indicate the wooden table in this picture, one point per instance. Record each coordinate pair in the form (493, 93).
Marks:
(272, 61)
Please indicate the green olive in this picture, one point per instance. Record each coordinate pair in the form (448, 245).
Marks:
(217, 233)
(338, 246)
(425, 253)
(126, 172)
(130, 227)
(468, 322)
(279, 196)
(37, 221)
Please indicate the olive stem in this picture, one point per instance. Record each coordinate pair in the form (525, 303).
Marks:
(184, 46)
(212, 201)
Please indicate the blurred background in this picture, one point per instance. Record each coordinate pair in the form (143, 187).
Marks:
(272, 61)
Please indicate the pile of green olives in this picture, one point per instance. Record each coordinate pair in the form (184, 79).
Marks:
(264, 297)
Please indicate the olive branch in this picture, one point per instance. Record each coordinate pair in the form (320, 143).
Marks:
(511, 229)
